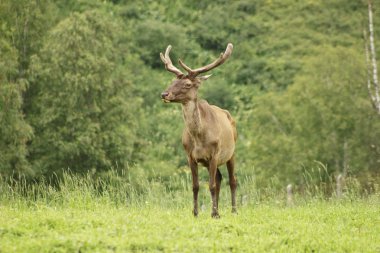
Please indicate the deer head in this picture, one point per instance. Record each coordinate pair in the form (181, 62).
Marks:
(184, 87)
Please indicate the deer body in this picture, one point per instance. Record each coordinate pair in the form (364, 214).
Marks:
(210, 132)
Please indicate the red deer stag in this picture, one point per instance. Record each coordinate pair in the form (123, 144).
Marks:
(210, 132)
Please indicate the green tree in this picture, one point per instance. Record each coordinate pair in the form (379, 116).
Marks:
(324, 116)
(27, 22)
(84, 105)
(23, 24)
(14, 131)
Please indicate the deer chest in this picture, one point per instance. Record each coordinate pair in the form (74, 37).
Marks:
(200, 153)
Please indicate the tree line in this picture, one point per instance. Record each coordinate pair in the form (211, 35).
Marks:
(80, 84)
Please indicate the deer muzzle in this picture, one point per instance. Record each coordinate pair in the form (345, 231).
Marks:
(163, 97)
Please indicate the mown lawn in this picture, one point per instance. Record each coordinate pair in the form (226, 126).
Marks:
(318, 226)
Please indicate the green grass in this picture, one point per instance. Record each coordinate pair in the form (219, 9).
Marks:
(81, 215)
(318, 227)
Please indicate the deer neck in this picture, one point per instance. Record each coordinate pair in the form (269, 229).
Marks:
(192, 117)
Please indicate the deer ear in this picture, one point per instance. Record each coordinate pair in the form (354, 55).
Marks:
(203, 78)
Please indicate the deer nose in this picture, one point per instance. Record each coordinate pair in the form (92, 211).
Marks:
(164, 94)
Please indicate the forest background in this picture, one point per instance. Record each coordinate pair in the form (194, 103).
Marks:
(80, 84)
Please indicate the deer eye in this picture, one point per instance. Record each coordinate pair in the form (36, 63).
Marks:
(187, 86)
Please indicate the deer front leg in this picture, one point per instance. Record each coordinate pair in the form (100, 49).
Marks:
(212, 185)
(194, 173)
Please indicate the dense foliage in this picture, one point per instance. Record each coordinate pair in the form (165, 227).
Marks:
(80, 84)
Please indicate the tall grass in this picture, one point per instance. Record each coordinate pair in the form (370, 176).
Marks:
(114, 188)
(120, 188)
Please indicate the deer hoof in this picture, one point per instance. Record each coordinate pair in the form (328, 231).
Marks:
(215, 215)
(195, 212)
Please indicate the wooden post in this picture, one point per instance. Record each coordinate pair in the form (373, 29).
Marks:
(203, 207)
(243, 199)
(289, 194)
(339, 186)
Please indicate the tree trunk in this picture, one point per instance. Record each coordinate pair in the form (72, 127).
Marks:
(371, 56)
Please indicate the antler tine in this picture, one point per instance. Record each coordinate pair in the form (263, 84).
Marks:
(168, 63)
(221, 59)
(185, 67)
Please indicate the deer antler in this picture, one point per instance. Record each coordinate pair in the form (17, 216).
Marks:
(168, 63)
(222, 58)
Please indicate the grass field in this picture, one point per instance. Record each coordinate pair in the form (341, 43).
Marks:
(76, 218)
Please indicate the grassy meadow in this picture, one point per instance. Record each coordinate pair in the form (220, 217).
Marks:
(80, 214)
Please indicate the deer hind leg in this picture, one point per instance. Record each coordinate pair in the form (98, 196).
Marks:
(233, 182)
(218, 182)
(194, 173)
(212, 170)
